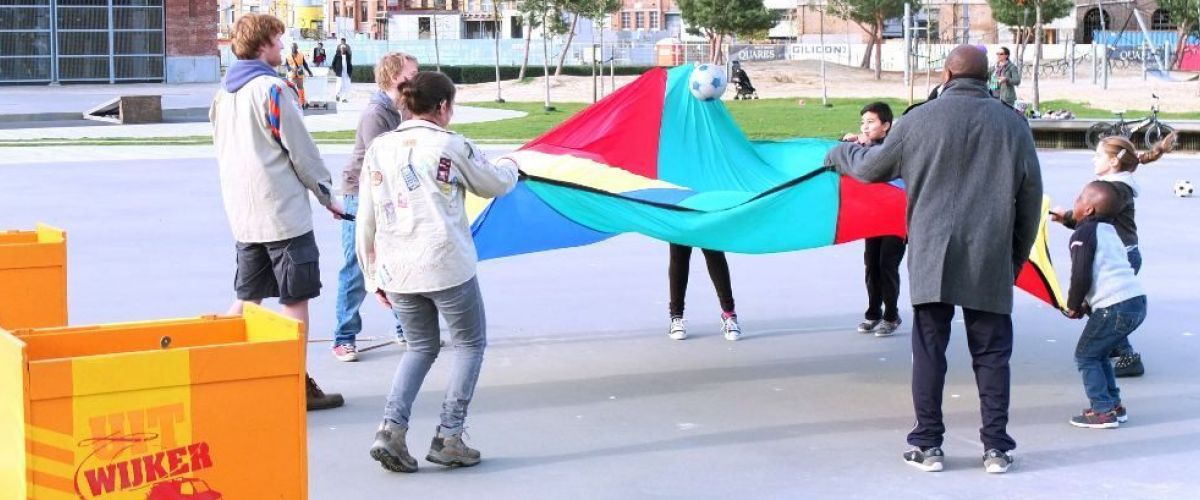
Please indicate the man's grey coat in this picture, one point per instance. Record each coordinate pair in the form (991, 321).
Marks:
(974, 194)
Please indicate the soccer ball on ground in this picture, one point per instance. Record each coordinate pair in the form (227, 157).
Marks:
(1183, 189)
(708, 82)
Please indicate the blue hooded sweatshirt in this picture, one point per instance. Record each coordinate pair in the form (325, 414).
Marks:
(242, 71)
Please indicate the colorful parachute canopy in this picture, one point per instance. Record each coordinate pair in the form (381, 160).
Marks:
(651, 159)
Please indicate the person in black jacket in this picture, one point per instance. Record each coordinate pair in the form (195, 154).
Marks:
(343, 67)
(319, 54)
(882, 254)
(1104, 287)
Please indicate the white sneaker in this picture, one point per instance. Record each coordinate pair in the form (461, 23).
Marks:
(678, 330)
(729, 326)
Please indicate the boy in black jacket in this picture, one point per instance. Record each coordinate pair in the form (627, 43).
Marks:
(1105, 287)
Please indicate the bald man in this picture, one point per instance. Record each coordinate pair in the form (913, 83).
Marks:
(974, 192)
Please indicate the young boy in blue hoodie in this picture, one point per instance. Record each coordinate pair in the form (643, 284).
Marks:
(1105, 287)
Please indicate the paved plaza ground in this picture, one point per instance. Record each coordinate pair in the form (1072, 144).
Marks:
(582, 394)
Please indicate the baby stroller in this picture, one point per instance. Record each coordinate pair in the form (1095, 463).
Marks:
(741, 81)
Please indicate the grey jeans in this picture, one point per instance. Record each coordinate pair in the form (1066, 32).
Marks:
(462, 307)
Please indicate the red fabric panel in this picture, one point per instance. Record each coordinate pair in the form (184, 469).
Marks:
(1032, 281)
(867, 210)
(621, 130)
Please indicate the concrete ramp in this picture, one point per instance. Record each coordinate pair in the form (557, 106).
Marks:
(128, 109)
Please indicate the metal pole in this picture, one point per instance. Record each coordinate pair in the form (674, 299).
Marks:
(546, 63)
(907, 46)
(1071, 49)
(1095, 64)
(1106, 68)
(824, 83)
(112, 63)
(53, 42)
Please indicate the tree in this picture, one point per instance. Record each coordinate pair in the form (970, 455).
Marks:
(1185, 14)
(597, 11)
(561, 7)
(1021, 15)
(870, 15)
(532, 12)
(719, 19)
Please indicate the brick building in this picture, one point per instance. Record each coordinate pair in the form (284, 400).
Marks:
(108, 41)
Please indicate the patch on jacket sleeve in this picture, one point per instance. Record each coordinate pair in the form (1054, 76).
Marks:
(443, 171)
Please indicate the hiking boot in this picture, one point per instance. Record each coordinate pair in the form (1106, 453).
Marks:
(996, 461)
(345, 352)
(1129, 365)
(391, 450)
(928, 459)
(730, 328)
(317, 399)
(451, 451)
(1121, 413)
(678, 331)
(868, 325)
(1091, 419)
(887, 328)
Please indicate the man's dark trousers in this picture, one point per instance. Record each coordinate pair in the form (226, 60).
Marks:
(990, 338)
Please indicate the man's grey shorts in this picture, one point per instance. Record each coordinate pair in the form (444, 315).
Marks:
(286, 269)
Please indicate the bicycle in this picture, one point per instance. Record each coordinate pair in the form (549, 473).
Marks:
(1152, 129)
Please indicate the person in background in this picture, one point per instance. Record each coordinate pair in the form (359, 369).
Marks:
(296, 66)
(383, 114)
(319, 55)
(1006, 76)
(343, 67)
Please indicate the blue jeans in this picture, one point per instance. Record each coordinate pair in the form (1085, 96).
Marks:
(351, 287)
(1135, 260)
(462, 307)
(1104, 330)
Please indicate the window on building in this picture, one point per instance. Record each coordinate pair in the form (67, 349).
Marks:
(640, 19)
(1161, 20)
(625, 24)
(653, 21)
(365, 14)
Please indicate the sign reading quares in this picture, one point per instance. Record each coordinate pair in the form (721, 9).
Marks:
(758, 52)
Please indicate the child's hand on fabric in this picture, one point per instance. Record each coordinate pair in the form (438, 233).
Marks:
(1057, 214)
(1073, 314)
(381, 296)
(850, 138)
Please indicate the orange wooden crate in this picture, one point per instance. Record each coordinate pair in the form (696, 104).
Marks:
(108, 412)
(33, 278)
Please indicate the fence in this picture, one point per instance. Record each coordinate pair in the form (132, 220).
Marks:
(81, 41)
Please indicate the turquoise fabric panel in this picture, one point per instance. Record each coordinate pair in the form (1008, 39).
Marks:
(797, 217)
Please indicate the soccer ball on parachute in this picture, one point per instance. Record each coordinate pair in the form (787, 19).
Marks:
(708, 82)
(1183, 189)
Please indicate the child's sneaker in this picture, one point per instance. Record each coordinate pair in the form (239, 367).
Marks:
(868, 325)
(1129, 365)
(927, 459)
(1092, 420)
(678, 331)
(1121, 413)
(345, 352)
(391, 450)
(887, 328)
(729, 327)
(996, 461)
(451, 451)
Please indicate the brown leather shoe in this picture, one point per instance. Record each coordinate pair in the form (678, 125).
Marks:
(318, 399)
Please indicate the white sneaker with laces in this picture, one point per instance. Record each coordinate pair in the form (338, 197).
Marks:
(678, 330)
(729, 327)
